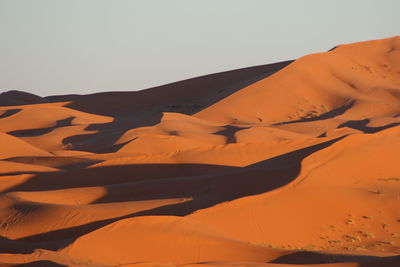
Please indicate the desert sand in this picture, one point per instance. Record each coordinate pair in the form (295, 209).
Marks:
(281, 165)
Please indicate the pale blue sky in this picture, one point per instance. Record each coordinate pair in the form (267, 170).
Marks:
(50, 47)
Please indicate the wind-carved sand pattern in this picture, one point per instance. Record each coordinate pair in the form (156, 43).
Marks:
(288, 164)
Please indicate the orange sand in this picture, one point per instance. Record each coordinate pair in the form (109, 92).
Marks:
(288, 164)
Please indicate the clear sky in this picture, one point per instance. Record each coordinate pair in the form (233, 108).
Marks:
(50, 47)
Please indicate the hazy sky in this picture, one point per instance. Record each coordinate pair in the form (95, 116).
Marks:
(50, 47)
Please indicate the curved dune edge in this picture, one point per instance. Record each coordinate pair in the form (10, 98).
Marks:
(287, 164)
(166, 238)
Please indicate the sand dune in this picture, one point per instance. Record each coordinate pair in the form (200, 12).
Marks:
(287, 164)
(12, 146)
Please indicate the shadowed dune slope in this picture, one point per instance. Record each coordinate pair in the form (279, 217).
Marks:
(280, 165)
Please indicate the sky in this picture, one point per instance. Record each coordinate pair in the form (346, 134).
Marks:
(54, 47)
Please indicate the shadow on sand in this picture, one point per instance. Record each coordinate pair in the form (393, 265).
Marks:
(205, 185)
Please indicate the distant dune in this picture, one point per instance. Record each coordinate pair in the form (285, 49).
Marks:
(288, 164)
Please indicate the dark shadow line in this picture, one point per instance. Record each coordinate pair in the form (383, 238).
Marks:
(58, 162)
(328, 115)
(229, 133)
(9, 112)
(362, 126)
(311, 257)
(42, 131)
